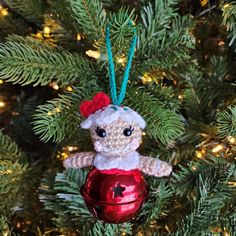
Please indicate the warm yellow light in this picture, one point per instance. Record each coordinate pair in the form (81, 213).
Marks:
(70, 148)
(231, 139)
(94, 54)
(226, 233)
(226, 5)
(55, 86)
(46, 30)
(221, 43)
(64, 155)
(78, 37)
(1, 81)
(50, 113)
(4, 12)
(181, 97)
(204, 2)
(2, 104)
(39, 35)
(199, 154)
(218, 148)
(69, 88)
(58, 109)
(232, 183)
(194, 168)
(143, 133)
(121, 60)
(146, 78)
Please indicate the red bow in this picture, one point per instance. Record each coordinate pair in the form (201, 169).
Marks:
(99, 101)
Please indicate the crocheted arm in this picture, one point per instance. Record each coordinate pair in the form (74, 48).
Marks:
(79, 160)
(154, 167)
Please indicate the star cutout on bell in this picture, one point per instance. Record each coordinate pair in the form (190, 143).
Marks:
(118, 190)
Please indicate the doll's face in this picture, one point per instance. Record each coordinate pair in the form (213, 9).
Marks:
(116, 139)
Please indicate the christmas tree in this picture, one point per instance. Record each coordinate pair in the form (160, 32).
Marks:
(182, 81)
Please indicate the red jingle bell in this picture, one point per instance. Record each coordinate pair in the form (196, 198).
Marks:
(114, 195)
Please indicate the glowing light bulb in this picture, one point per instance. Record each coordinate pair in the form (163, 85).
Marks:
(78, 37)
(121, 60)
(54, 86)
(226, 5)
(181, 97)
(2, 104)
(231, 139)
(221, 43)
(146, 78)
(218, 148)
(199, 154)
(69, 88)
(46, 30)
(1, 81)
(94, 54)
(4, 12)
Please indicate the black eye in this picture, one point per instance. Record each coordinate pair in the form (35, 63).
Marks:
(101, 132)
(128, 131)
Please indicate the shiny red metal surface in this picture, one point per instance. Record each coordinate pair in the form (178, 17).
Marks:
(115, 195)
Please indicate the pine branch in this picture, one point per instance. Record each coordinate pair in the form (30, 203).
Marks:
(211, 196)
(57, 119)
(90, 16)
(164, 30)
(100, 229)
(27, 61)
(229, 14)
(32, 10)
(226, 121)
(159, 196)
(9, 149)
(61, 196)
(11, 174)
(162, 123)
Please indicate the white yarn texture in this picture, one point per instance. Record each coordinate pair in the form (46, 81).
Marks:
(111, 113)
(130, 162)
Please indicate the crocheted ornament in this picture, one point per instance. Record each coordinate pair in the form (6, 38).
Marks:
(115, 188)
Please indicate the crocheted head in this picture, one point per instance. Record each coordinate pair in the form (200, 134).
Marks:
(115, 130)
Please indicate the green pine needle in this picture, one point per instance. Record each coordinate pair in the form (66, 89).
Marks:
(27, 61)
(226, 122)
(9, 149)
(162, 123)
(57, 119)
(90, 16)
(32, 10)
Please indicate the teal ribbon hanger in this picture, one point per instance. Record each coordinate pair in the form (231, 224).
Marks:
(118, 100)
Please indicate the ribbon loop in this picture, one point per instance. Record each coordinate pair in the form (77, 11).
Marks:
(118, 100)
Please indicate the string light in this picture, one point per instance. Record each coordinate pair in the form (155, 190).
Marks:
(232, 183)
(1, 81)
(204, 2)
(78, 37)
(143, 133)
(54, 85)
(146, 78)
(200, 153)
(2, 104)
(69, 88)
(121, 60)
(221, 43)
(46, 30)
(218, 148)
(194, 168)
(226, 5)
(231, 139)
(181, 97)
(4, 11)
(94, 54)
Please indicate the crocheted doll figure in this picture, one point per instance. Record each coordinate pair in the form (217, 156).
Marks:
(115, 188)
